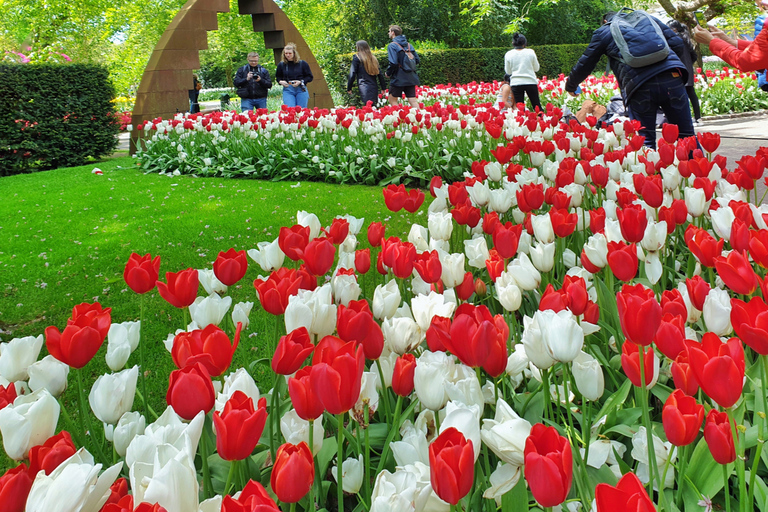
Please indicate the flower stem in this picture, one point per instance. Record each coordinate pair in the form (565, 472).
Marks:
(727, 496)
(683, 456)
(312, 449)
(760, 432)
(143, 368)
(384, 392)
(204, 457)
(367, 460)
(739, 446)
(653, 470)
(339, 460)
(230, 476)
(275, 417)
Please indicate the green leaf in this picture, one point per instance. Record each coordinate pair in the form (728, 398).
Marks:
(761, 492)
(517, 499)
(705, 477)
(615, 400)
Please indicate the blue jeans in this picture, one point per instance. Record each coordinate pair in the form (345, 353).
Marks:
(252, 103)
(295, 97)
(667, 91)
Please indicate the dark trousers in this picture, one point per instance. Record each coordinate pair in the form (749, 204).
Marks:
(667, 91)
(532, 90)
(691, 91)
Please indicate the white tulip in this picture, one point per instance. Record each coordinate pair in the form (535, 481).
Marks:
(268, 255)
(112, 395)
(413, 445)
(502, 480)
(170, 480)
(433, 369)
(241, 312)
(130, 425)
(532, 339)
(295, 430)
(695, 201)
(419, 237)
(542, 228)
(506, 433)
(440, 225)
(463, 386)
(168, 432)
(501, 201)
(209, 310)
(210, 282)
(352, 474)
(425, 307)
(655, 236)
(717, 312)
(479, 193)
(588, 375)
(386, 300)
(653, 267)
(369, 386)
(310, 220)
(476, 250)
(313, 309)
(509, 295)
(401, 334)
(453, 269)
(48, 373)
(596, 249)
(239, 380)
(17, 355)
(524, 273)
(466, 419)
(662, 450)
(122, 340)
(543, 256)
(561, 334)
(29, 421)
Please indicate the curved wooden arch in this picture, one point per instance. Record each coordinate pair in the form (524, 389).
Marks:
(165, 84)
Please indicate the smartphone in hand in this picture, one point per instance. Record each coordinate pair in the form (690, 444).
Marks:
(700, 19)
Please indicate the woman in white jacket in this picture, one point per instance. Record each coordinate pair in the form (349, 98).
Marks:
(521, 65)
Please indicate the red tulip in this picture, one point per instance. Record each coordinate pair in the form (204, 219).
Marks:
(670, 336)
(682, 418)
(750, 321)
(698, 289)
(435, 182)
(709, 141)
(466, 215)
(293, 241)
(402, 378)
(363, 260)
(210, 347)
(122, 504)
(639, 313)
(239, 426)
(629, 495)
(337, 370)
(490, 222)
(147, 507)
(403, 258)
(467, 287)
(673, 303)
(181, 289)
(506, 238)
(563, 223)
(737, 273)
(597, 220)
(428, 265)
(719, 367)
(50, 454)
(457, 193)
(230, 266)
(683, 375)
(118, 491)
(439, 334)
(376, 232)
(575, 290)
(451, 465)
(548, 465)
(479, 339)
(413, 200)
(82, 337)
(293, 472)
(758, 247)
(307, 404)
(670, 132)
(291, 351)
(552, 299)
(15, 485)
(740, 235)
(7, 395)
(190, 391)
(623, 260)
(277, 288)
(703, 245)
(632, 220)
(630, 363)
(141, 272)
(719, 437)
(319, 255)
(355, 323)
(394, 197)
(338, 230)
(530, 197)
(253, 498)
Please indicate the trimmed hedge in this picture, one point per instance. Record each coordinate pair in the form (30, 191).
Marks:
(54, 115)
(463, 65)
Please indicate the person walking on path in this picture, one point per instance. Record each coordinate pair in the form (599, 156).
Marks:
(365, 69)
(521, 64)
(402, 68)
(253, 83)
(741, 54)
(294, 75)
(646, 88)
(688, 57)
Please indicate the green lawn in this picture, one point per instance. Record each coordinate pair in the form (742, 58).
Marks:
(66, 235)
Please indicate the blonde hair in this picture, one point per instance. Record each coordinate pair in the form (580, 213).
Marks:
(291, 46)
(369, 60)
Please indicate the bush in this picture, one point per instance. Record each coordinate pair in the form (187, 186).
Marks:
(464, 65)
(54, 116)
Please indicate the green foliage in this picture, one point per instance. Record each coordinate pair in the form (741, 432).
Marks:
(464, 65)
(564, 22)
(54, 115)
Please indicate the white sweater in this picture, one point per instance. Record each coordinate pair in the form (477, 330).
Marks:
(522, 66)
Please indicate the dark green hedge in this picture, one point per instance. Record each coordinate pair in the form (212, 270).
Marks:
(463, 65)
(54, 115)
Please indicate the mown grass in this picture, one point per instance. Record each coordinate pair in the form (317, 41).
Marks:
(66, 234)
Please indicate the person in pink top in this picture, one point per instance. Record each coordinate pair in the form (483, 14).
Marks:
(741, 54)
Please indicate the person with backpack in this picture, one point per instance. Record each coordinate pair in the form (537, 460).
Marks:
(365, 68)
(521, 65)
(401, 72)
(643, 54)
(253, 83)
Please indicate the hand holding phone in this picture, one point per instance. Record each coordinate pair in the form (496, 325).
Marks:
(700, 19)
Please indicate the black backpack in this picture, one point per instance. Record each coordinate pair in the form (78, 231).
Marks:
(409, 59)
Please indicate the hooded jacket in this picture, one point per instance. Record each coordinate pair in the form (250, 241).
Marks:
(395, 54)
(629, 78)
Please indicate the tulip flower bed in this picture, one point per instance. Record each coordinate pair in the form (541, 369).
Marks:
(390, 145)
(581, 320)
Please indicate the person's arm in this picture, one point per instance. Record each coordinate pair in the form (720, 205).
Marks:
(508, 63)
(266, 80)
(280, 73)
(382, 82)
(392, 58)
(536, 66)
(752, 58)
(588, 60)
(352, 73)
(240, 78)
(306, 72)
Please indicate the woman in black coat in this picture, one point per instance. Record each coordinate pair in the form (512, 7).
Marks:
(365, 68)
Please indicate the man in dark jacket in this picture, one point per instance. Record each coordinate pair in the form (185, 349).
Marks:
(252, 82)
(645, 89)
(400, 80)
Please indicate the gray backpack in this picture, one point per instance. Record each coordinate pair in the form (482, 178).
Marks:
(640, 39)
(409, 59)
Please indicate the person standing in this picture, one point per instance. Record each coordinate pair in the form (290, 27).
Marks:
(646, 88)
(521, 65)
(294, 75)
(365, 68)
(194, 94)
(252, 83)
(688, 57)
(402, 68)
